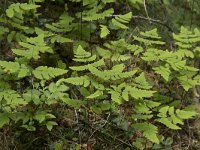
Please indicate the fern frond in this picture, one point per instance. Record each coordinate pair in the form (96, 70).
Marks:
(95, 94)
(138, 93)
(171, 117)
(104, 31)
(187, 82)
(86, 67)
(149, 38)
(63, 25)
(168, 123)
(186, 39)
(141, 82)
(114, 74)
(118, 57)
(12, 99)
(46, 73)
(33, 47)
(60, 39)
(15, 67)
(93, 15)
(163, 71)
(149, 130)
(82, 56)
(18, 9)
(120, 20)
(103, 53)
(136, 49)
(84, 81)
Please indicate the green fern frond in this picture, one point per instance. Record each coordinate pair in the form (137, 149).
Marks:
(104, 31)
(184, 53)
(93, 15)
(183, 114)
(82, 81)
(141, 82)
(60, 39)
(168, 123)
(46, 73)
(18, 9)
(82, 56)
(86, 67)
(15, 67)
(116, 97)
(149, 38)
(95, 94)
(114, 74)
(187, 82)
(103, 53)
(171, 117)
(136, 49)
(153, 34)
(12, 99)
(120, 20)
(163, 71)
(186, 39)
(138, 93)
(149, 130)
(118, 57)
(63, 25)
(3, 30)
(16, 13)
(33, 47)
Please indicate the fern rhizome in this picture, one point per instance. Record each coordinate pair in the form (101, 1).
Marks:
(136, 84)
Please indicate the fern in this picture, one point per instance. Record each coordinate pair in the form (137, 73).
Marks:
(63, 25)
(11, 100)
(84, 81)
(120, 20)
(163, 71)
(104, 31)
(15, 67)
(114, 74)
(149, 38)
(33, 47)
(18, 9)
(171, 119)
(16, 13)
(93, 15)
(141, 82)
(186, 39)
(83, 56)
(86, 67)
(60, 39)
(138, 93)
(46, 73)
(95, 94)
(149, 131)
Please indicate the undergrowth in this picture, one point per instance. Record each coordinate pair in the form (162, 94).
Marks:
(80, 76)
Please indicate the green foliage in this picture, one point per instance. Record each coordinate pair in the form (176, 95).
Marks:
(104, 31)
(88, 62)
(149, 131)
(43, 72)
(120, 20)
